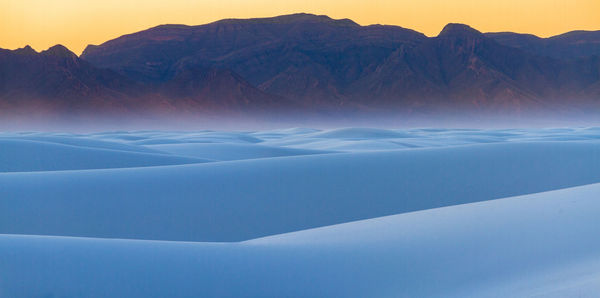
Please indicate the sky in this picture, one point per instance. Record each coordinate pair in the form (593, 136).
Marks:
(77, 23)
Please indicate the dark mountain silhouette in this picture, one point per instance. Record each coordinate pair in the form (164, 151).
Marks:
(302, 57)
(196, 88)
(58, 79)
(309, 62)
(570, 45)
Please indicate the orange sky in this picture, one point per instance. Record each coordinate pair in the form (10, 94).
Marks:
(76, 23)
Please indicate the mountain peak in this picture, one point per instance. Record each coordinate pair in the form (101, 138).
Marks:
(27, 50)
(292, 18)
(59, 51)
(457, 30)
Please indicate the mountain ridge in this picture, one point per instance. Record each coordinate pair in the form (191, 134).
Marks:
(312, 62)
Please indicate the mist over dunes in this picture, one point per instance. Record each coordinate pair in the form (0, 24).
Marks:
(306, 63)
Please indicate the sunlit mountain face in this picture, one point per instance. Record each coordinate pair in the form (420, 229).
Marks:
(306, 65)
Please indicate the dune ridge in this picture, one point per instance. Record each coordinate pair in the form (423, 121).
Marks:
(543, 245)
(351, 212)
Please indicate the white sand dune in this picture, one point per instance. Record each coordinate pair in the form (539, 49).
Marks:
(78, 141)
(27, 155)
(238, 200)
(225, 151)
(541, 245)
(350, 212)
(360, 134)
(360, 139)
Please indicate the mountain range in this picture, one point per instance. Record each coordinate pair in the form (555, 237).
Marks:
(306, 62)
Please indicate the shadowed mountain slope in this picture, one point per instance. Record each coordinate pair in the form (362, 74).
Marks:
(311, 63)
(570, 45)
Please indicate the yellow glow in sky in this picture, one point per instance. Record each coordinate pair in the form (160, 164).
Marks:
(76, 23)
